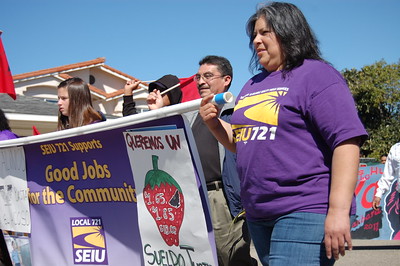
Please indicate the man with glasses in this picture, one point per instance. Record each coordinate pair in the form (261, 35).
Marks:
(219, 166)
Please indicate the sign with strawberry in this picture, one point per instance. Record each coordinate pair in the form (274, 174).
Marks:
(164, 200)
(172, 225)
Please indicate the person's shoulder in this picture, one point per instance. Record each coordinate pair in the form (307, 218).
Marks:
(322, 71)
(102, 115)
(191, 115)
(395, 146)
(394, 153)
(258, 77)
(318, 65)
(7, 134)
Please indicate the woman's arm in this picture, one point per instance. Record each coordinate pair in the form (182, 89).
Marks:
(129, 105)
(345, 163)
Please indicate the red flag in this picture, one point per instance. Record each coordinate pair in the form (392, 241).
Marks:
(189, 89)
(6, 81)
(35, 131)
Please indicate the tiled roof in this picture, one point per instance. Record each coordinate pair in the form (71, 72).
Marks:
(62, 71)
(64, 68)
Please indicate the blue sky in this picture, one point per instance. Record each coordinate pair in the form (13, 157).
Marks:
(150, 38)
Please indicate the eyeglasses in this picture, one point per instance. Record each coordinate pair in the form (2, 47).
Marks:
(206, 76)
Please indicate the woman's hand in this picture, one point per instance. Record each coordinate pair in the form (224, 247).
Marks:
(130, 86)
(337, 233)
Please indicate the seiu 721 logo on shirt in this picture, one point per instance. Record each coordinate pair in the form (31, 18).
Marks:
(88, 241)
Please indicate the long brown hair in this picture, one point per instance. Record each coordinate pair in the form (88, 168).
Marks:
(81, 111)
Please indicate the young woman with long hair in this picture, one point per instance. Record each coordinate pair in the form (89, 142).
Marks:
(75, 104)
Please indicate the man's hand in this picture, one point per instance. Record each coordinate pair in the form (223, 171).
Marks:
(155, 100)
(376, 203)
(209, 112)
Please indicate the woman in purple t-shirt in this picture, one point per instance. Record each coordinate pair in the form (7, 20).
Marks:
(296, 133)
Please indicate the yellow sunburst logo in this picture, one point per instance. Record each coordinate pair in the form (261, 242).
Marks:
(91, 236)
(263, 108)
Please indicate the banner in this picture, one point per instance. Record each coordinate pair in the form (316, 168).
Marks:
(90, 202)
(167, 196)
(14, 206)
(381, 224)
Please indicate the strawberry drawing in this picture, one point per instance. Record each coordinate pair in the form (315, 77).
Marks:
(164, 200)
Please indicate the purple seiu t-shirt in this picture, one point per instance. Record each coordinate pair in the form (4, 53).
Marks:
(286, 130)
(7, 134)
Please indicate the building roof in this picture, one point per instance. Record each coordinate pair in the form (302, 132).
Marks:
(68, 68)
(27, 105)
(62, 71)
(94, 90)
(27, 111)
(31, 110)
(31, 106)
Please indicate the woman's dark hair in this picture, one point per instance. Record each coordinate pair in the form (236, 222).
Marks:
(4, 122)
(295, 35)
(81, 111)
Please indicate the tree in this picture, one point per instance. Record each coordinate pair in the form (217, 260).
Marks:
(376, 91)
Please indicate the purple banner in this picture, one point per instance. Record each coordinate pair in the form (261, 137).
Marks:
(83, 199)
